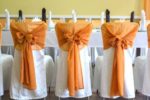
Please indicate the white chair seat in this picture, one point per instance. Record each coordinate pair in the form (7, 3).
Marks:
(139, 69)
(96, 80)
(7, 62)
(49, 64)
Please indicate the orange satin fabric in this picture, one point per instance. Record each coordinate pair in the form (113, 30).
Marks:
(148, 34)
(27, 37)
(120, 36)
(71, 38)
(147, 8)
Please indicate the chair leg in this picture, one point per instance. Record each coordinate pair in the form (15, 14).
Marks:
(88, 98)
(44, 98)
(103, 98)
(49, 90)
(147, 98)
(59, 98)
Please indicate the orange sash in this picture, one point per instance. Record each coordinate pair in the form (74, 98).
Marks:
(147, 9)
(27, 37)
(120, 36)
(71, 38)
(148, 34)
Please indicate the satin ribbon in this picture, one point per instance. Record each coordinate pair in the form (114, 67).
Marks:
(120, 36)
(28, 37)
(72, 41)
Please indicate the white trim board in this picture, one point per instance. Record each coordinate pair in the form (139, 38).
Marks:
(69, 16)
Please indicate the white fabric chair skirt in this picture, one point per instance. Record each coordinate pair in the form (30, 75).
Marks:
(146, 81)
(1, 77)
(50, 71)
(97, 69)
(106, 74)
(17, 91)
(139, 70)
(61, 75)
(6, 62)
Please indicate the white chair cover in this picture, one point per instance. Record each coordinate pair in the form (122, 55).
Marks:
(17, 91)
(61, 75)
(106, 74)
(7, 62)
(143, 51)
(1, 77)
(146, 80)
(139, 70)
(49, 64)
(96, 81)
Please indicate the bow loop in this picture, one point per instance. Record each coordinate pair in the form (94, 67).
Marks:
(117, 41)
(73, 38)
(26, 38)
(29, 37)
(77, 39)
(68, 37)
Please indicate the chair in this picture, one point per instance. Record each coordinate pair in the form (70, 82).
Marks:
(73, 63)
(6, 62)
(97, 69)
(28, 79)
(116, 65)
(139, 70)
(50, 71)
(145, 76)
(1, 79)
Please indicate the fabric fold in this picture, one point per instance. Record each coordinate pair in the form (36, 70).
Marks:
(27, 37)
(120, 36)
(147, 9)
(148, 34)
(71, 38)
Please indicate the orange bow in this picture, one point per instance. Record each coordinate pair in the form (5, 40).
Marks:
(120, 36)
(72, 37)
(28, 36)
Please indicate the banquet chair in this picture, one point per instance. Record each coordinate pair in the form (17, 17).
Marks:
(50, 71)
(141, 71)
(141, 66)
(73, 62)
(31, 66)
(96, 79)
(115, 72)
(49, 64)
(98, 62)
(6, 62)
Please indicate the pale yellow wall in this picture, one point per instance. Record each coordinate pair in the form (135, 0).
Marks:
(64, 7)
